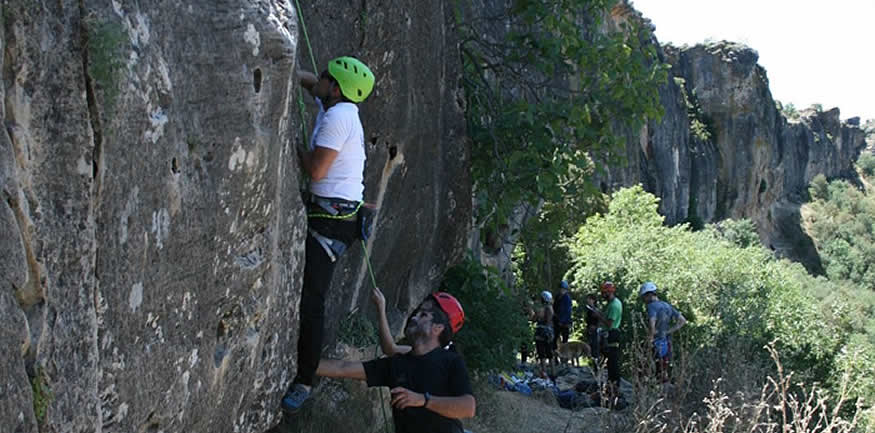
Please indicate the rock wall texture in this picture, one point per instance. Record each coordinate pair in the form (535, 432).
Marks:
(723, 149)
(151, 227)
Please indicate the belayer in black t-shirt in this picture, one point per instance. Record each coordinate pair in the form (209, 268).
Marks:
(430, 388)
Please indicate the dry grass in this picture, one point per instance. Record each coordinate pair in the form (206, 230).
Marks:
(714, 392)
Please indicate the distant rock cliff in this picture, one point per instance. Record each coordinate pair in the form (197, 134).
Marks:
(723, 149)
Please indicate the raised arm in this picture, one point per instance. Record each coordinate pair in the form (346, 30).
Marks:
(387, 343)
(308, 80)
(339, 368)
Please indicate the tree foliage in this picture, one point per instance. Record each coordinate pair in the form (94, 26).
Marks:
(866, 162)
(789, 111)
(841, 221)
(544, 99)
(495, 322)
(728, 286)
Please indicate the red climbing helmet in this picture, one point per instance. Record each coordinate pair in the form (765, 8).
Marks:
(608, 287)
(452, 307)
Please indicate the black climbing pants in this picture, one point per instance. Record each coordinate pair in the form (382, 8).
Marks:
(613, 355)
(318, 270)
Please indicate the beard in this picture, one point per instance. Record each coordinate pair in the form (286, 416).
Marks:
(413, 330)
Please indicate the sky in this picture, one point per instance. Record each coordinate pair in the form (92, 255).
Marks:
(814, 51)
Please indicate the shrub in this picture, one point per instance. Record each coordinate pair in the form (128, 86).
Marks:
(495, 323)
(727, 285)
(866, 162)
(819, 189)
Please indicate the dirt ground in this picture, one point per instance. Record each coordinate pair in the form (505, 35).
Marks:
(511, 412)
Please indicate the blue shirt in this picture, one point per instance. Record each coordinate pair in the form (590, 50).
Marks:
(563, 309)
(664, 314)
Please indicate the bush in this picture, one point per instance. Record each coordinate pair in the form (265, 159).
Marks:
(495, 322)
(819, 188)
(866, 162)
(739, 232)
(725, 283)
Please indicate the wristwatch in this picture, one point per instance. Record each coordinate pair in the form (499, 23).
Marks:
(427, 398)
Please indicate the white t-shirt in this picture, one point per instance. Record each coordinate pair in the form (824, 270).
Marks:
(340, 129)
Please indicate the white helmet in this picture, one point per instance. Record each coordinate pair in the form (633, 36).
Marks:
(546, 296)
(646, 288)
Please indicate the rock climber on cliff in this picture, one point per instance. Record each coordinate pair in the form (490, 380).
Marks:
(335, 164)
(429, 384)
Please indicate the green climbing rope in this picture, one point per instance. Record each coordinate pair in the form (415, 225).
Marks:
(301, 108)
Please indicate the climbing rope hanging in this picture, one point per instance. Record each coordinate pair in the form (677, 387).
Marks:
(302, 110)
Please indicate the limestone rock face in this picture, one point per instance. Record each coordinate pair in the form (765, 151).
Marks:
(151, 227)
(723, 149)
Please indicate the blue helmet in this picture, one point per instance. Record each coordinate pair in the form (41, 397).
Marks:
(563, 284)
(646, 288)
(547, 297)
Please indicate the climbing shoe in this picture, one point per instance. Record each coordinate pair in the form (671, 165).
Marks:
(295, 398)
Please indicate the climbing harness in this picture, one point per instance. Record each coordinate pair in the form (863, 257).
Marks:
(342, 210)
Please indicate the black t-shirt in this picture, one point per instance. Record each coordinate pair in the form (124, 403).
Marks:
(440, 372)
(591, 318)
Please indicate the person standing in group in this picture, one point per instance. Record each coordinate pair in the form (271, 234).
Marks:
(335, 164)
(543, 319)
(610, 318)
(663, 320)
(562, 317)
(592, 329)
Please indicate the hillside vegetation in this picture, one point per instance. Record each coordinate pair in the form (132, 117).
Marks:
(761, 331)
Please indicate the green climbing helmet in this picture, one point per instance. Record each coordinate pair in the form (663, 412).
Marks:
(355, 79)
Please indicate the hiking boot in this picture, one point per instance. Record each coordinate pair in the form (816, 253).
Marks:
(295, 398)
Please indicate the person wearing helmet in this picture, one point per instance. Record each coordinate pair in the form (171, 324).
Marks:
(664, 320)
(430, 388)
(335, 162)
(592, 329)
(562, 318)
(543, 319)
(610, 318)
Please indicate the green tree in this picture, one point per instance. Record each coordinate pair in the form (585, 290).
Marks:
(819, 189)
(495, 321)
(740, 232)
(728, 286)
(543, 101)
(866, 163)
(789, 110)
